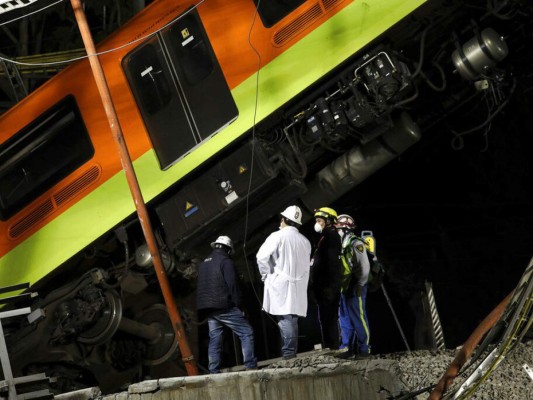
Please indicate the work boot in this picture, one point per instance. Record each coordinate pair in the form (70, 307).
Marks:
(362, 356)
(288, 357)
(344, 353)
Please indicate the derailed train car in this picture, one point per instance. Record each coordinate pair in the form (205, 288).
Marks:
(231, 110)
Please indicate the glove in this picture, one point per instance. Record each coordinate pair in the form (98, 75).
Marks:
(358, 290)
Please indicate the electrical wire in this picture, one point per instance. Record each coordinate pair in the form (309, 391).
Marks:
(436, 88)
(31, 13)
(256, 105)
(421, 57)
(247, 212)
(457, 141)
(105, 51)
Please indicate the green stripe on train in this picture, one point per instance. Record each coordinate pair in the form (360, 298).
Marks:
(324, 48)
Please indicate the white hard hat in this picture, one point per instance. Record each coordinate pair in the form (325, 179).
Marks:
(225, 240)
(294, 214)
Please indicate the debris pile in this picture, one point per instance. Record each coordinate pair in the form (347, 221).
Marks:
(509, 381)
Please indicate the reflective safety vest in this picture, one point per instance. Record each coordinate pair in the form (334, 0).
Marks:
(351, 268)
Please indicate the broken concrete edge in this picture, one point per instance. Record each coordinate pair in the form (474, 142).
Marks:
(359, 368)
(82, 394)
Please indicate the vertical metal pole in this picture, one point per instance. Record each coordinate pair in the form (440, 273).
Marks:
(6, 366)
(131, 177)
(395, 317)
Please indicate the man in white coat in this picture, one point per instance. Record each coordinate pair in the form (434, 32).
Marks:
(284, 263)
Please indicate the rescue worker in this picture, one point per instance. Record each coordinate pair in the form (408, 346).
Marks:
(218, 300)
(355, 333)
(284, 261)
(326, 273)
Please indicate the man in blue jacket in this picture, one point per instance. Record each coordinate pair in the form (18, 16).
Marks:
(218, 298)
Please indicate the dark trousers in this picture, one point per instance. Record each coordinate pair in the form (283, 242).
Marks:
(328, 314)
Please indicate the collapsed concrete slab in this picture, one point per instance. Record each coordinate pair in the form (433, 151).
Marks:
(305, 378)
(355, 380)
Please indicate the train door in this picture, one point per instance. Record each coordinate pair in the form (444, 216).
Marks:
(179, 88)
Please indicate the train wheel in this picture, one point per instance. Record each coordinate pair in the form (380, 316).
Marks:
(107, 324)
(165, 346)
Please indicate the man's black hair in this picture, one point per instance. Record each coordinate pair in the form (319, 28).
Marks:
(289, 222)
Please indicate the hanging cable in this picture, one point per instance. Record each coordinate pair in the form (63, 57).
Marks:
(247, 210)
(440, 88)
(105, 51)
(421, 57)
(31, 13)
(458, 142)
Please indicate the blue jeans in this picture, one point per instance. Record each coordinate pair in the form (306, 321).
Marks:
(355, 331)
(288, 326)
(233, 319)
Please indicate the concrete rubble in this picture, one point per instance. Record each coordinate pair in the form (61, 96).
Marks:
(322, 376)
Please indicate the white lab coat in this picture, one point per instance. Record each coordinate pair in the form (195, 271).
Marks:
(284, 263)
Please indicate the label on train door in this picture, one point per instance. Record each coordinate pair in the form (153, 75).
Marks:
(199, 75)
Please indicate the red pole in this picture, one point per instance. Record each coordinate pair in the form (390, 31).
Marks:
(467, 349)
(127, 165)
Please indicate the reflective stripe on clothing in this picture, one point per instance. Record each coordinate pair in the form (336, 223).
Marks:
(354, 260)
(355, 330)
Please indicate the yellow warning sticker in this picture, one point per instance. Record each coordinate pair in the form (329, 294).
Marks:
(190, 209)
(242, 169)
(185, 33)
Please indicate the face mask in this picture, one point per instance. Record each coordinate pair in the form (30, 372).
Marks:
(318, 228)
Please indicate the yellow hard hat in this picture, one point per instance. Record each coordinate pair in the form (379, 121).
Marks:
(326, 212)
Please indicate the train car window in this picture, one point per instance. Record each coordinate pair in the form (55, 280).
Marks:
(273, 11)
(152, 84)
(195, 58)
(42, 154)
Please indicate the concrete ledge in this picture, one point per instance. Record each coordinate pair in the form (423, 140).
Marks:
(355, 380)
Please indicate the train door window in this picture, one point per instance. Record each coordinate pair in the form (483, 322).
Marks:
(273, 11)
(199, 75)
(191, 49)
(179, 88)
(40, 155)
(153, 87)
(159, 102)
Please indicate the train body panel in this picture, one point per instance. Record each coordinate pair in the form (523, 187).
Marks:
(42, 243)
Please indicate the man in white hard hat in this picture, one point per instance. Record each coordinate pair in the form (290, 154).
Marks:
(218, 299)
(284, 262)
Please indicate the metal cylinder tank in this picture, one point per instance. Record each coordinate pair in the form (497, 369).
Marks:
(354, 166)
(480, 53)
